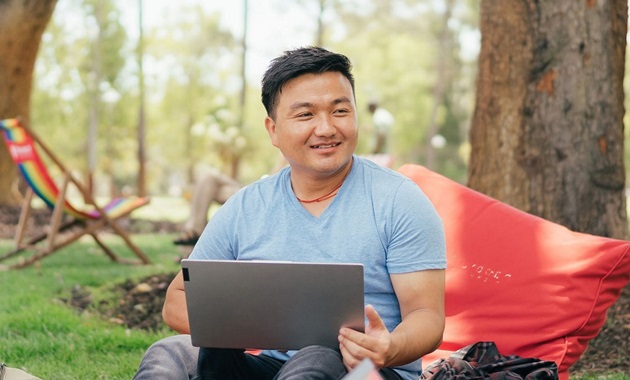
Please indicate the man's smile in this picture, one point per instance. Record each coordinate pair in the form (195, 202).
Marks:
(325, 146)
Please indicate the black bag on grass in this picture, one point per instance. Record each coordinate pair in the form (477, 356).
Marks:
(482, 361)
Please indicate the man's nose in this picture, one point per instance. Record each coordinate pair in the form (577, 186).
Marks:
(325, 126)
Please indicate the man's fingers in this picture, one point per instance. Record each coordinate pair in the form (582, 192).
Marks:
(352, 353)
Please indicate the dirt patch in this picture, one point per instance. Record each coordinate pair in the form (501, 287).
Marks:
(133, 304)
(610, 350)
(138, 304)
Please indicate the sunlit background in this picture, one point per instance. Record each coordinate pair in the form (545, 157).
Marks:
(180, 81)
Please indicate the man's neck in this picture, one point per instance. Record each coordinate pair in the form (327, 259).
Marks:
(318, 189)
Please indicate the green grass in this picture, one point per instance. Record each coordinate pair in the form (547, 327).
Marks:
(42, 335)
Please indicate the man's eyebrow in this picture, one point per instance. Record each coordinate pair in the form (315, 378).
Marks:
(343, 99)
(298, 105)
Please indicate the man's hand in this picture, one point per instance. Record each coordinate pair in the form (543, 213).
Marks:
(421, 298)
(373, 344)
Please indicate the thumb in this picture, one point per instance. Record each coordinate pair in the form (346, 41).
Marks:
(374, 319)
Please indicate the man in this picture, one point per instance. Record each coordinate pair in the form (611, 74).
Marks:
(327, 205)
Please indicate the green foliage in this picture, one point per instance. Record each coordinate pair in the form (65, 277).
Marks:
(192, 68)
(200, 56)
(105, 53)
(78, 63)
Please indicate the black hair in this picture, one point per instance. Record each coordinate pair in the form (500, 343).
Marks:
(294, 63)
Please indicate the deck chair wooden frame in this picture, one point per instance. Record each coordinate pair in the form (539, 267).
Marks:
(67, 223)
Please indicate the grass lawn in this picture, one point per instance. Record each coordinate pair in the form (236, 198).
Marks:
(43, 336)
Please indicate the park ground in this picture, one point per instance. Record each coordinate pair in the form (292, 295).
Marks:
(140, 302)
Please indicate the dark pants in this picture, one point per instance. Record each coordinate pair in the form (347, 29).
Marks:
(314, 362)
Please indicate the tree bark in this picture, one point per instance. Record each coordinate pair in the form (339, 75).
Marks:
(547, 132)
(23, 23)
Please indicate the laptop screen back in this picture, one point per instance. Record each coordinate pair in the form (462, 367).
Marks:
(271, 305)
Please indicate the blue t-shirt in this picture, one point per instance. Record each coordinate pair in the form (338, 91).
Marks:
(379, 218)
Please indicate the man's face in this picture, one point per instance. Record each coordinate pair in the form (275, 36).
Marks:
(315, 126)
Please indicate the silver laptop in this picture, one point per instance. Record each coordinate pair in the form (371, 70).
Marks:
(271, 305)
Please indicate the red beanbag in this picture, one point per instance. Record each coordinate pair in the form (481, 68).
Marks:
(533, 287)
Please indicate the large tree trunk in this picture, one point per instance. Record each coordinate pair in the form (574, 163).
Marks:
(22, 24)
(547, 132)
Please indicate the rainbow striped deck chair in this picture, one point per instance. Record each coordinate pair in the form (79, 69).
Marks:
(67, 223)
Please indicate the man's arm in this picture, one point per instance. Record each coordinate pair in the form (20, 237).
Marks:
(421, 298)
(175, 311)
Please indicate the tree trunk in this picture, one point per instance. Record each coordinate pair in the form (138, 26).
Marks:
(23, 23)
(547, 132)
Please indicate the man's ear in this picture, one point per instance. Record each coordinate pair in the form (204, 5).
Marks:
(270, 126)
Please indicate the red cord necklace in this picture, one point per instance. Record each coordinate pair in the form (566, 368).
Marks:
(332, 193)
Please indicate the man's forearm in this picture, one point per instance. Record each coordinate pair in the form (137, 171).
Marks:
(417, 335)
